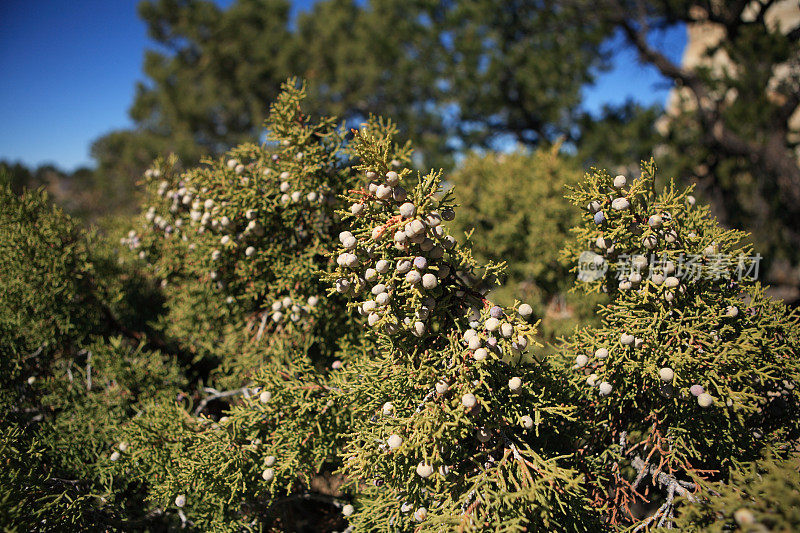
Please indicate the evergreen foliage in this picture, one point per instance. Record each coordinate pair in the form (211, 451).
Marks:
(514, 209)
(238, 243)
(693, 369)
(761, 496)
(72, 372)
(452, 425)
(291, 338)
(215, 71)
(733, 126)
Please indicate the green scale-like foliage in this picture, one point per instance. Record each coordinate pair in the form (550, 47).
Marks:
(240, 245)
(46, 301)
(73, 372)
(405, 350)
(453, 426)
(315, 281)
(32, 497)
(239, 242)
(289, 426)
(687, 376)
(761, 496)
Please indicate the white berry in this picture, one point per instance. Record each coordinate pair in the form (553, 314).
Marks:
(407, 210)
(620, 204)
(480, 354)
(705, 400)
(394, 441)
(655, 221)
(383, 192)
(474, 342)
(403, 266)
(413, 277)
(429, 281)
(350, 243)
(469, 401)
(424, 470)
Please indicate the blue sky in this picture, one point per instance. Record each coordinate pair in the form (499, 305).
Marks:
(68, 69)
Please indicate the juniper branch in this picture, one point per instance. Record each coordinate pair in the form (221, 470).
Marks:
(217, 395)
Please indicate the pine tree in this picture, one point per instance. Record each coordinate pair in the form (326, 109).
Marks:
(692, 371)
(732, 122)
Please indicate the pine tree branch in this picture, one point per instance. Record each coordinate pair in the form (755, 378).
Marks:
(772, 155)
(35, 353)
(638, 38)
(182, 516)
(263, 325)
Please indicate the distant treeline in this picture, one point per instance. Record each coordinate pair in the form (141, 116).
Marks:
(74, 191)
